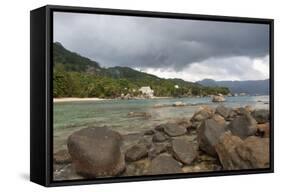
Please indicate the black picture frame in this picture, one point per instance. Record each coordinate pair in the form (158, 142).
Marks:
(41, 98)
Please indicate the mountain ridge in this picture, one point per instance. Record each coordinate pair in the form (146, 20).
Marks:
(251, 87)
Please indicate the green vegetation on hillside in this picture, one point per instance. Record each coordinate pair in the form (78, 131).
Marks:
(77, 76)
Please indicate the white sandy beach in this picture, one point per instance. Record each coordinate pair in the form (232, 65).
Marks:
(70, 99)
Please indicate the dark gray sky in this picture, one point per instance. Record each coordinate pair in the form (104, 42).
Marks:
(169, 48)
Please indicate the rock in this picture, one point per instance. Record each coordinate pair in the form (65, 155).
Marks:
(178, 104)
(164, 164)
(156, 149)
(226, 150)
(62, 157)
(218, 98)
(243, 126)
(261, 115)
(184, 151)
(202, 114)
(223, 111)
(128, 96)
(255, 151)
(136, 152)
(95, 152)
(232, 114)
(236, 154)
(139, 114)
(174, 130)
(185, 122)
(158, 105)
(219, 119)
(160, 127)
(130, 139)
(137, 168)
(149, 132)
(263, 130)
(248, 108)
(209, 133)
(241, 111)
(147, 141)
(159, 137)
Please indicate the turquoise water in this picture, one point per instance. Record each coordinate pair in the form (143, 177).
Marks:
(72, 116)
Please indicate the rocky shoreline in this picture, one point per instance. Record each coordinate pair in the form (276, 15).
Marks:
(211, 140)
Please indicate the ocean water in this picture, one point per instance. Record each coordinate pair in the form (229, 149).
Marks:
(72, 116)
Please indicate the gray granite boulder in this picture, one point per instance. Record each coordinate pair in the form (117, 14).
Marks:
(208, 135)
(243, 126)
(136, 152)
(184, 151)
(95, 152)
(164, 164)
(261, 115)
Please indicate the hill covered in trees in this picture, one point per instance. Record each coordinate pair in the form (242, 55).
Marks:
(78, 76)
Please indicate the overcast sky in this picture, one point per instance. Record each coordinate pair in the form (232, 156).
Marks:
(170, 48)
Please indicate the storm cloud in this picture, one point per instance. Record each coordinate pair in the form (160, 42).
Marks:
(168, 47)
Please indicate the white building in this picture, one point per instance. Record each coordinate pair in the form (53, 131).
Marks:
(147, 91)
(176, 86)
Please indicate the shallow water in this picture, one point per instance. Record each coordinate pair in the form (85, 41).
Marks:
(72, 116)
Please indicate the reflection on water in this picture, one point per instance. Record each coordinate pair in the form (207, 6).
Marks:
(71, 116)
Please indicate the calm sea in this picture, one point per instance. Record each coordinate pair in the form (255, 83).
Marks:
(72, 116)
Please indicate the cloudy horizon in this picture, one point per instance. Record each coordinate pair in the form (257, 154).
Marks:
(169, 48)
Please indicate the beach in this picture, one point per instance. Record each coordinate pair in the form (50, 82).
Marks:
(74, 99)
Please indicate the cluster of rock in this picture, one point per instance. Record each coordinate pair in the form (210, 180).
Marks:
(213, 139)
(239, 138)
(129, 96)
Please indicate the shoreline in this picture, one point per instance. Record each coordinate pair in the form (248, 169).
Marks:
(72, 99)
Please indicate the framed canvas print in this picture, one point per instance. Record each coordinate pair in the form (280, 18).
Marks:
(120, 95)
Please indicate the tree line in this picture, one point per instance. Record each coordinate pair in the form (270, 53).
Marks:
(68, 83)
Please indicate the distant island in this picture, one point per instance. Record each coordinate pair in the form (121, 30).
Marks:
(252, 87)
(78, 76)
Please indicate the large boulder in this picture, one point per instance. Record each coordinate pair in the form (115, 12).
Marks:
(95, 152)
(223, 111)
(184, 151)
(236, 154)
(209, 133)
(261, 115)
(173, 130)
(243, 126)
(218, 98)
(136, 152)
(255, 151)
(226, 150)
(164, 164)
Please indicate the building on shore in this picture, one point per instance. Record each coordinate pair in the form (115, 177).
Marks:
(147, 91)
